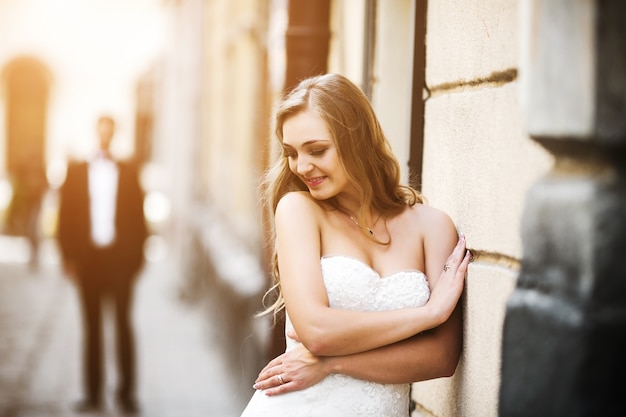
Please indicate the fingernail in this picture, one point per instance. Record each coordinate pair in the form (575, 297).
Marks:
(255, 386)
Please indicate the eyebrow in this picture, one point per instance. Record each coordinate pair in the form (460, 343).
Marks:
(307, 143)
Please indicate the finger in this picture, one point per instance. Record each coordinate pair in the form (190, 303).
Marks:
(462, 268)
(267, 376)
(267, 381)
(273, 382)
(292, 335)
(288, 386)
(277, 361)
(268, 372)
(465, 262)
(280, 389)
(456, 257)
(265, 371)
(460, 246)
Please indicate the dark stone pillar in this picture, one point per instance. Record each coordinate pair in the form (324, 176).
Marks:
(564, 339)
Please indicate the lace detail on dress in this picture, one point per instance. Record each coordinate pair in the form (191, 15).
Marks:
(351, 284)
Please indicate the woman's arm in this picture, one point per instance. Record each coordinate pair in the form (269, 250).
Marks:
(431, 354)
(333, 332)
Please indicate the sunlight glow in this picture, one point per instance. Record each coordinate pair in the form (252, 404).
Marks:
(156, 207)
(96, 51)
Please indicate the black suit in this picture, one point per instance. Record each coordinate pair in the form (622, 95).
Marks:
(103, 272)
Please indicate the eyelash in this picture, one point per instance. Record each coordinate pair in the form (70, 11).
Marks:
(315, 152)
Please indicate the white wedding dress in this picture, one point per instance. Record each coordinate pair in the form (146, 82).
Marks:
(351, 285)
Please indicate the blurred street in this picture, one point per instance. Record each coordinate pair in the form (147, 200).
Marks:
(183, 371)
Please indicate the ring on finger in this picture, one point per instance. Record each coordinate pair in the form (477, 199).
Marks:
(281, 381)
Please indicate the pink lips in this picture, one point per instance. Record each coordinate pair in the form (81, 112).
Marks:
(314, 182)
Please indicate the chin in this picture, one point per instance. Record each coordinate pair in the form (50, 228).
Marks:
(322, 196)
(317, 194)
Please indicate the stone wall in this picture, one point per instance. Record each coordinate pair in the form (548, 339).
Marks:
(478, 166)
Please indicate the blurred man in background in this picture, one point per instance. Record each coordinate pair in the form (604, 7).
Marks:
(101, 233)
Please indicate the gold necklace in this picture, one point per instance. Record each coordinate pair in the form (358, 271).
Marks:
(369, 229)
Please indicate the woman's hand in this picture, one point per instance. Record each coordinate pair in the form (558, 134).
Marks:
(447, 291)
(294, 370)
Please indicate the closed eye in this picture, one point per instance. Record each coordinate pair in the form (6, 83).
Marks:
(316, 147)
(317, 152)
(312, 152)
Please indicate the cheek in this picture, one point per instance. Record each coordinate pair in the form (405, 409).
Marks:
(341, 173)
(293, 164)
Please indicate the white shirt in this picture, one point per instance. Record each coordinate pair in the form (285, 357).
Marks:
(102, 176)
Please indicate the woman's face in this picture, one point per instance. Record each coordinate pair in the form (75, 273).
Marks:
(312, 155)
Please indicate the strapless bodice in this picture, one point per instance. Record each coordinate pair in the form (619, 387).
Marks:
(351, 284)
(354, 285)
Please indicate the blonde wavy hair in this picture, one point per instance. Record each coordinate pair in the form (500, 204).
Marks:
(363, 149)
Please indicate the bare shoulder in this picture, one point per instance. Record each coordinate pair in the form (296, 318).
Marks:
(296, 204)
(432, 222)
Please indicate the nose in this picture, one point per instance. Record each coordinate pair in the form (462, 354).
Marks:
(304, 165)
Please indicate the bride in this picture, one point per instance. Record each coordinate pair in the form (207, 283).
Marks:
(368, 275)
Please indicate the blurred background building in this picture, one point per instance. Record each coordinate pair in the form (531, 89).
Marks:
(193, 83)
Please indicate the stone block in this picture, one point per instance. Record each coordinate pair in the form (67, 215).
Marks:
(470, 40)
(479, 164)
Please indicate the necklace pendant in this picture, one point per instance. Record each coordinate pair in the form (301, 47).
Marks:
(370, 231)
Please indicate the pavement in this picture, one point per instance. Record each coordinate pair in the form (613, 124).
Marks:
(186, 368)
